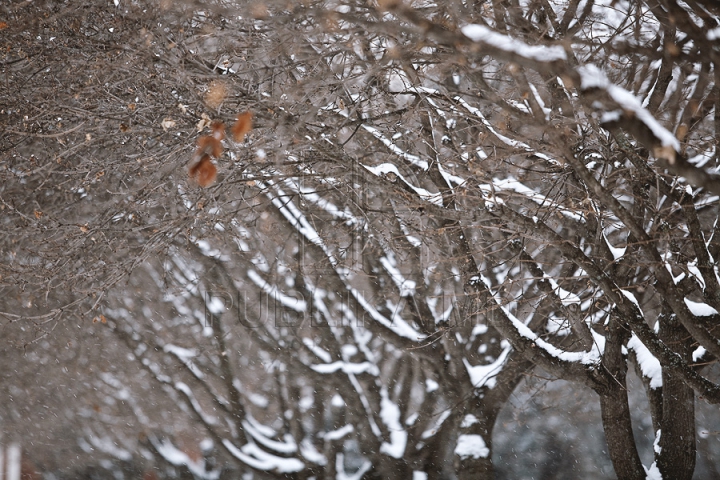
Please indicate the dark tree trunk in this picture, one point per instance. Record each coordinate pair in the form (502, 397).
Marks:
(676, 459)
(616, 410)
(439, 464)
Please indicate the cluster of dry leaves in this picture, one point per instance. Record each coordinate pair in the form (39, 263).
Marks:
(202, 168)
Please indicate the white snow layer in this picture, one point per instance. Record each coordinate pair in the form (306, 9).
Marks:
(406, 287)
(177, 457)
(288, 446)
(292, 303)
(414, 159)
(346, 367)
(586, 358)
(308, 451)
(301, 224)
(385, 168)
(484, 375)
(698, 353)
(397, 324)
(592, 77)
(649, 365)
(263, 460)
(471, 446)
(390, 416)
(617, 252)
(481, 33)
(653, 473)
(107, 445)
(339, 433)
(516, 186)
(322, 354)
(631, 296)
(469, 420)
(700, 309)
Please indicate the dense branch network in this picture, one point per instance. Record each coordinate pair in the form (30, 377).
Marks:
(434, 200)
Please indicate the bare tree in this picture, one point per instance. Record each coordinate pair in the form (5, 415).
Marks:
(434, 201)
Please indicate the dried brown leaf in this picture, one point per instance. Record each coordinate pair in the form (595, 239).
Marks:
(216, 94)
(203, 172)
(242, 126)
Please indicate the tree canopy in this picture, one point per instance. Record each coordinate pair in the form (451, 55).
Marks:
(415, 206)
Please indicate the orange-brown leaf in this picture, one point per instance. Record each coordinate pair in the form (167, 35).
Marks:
(242, 126)
(218, 130)
(209, 145)
(216, 94)
(203, 172)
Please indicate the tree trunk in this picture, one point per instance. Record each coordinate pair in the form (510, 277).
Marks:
(616, 410)
(676, 459)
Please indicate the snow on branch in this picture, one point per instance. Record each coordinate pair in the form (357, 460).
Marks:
(254, 457)
(286, 447)
(298, 220)
(185, 389)
(397, 324)
(624, 110)
(311, 195)
(338, 434)
(310, 453)
(347, 367)
(287, 301)
(506, 140)
(649, 365)
(484, 375)
(520, 188)
(107, 445)
(406, 287)
(177, 457)
(185, 356)
(369, 411)
(591, 357)
(471, 446)
(700, 309)
(319, 352)
(505, 43)
(390, 171)
(390, 416)
(587, 358)
(435, 428)
(591, 77)
(617, 252)
(412, 159)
